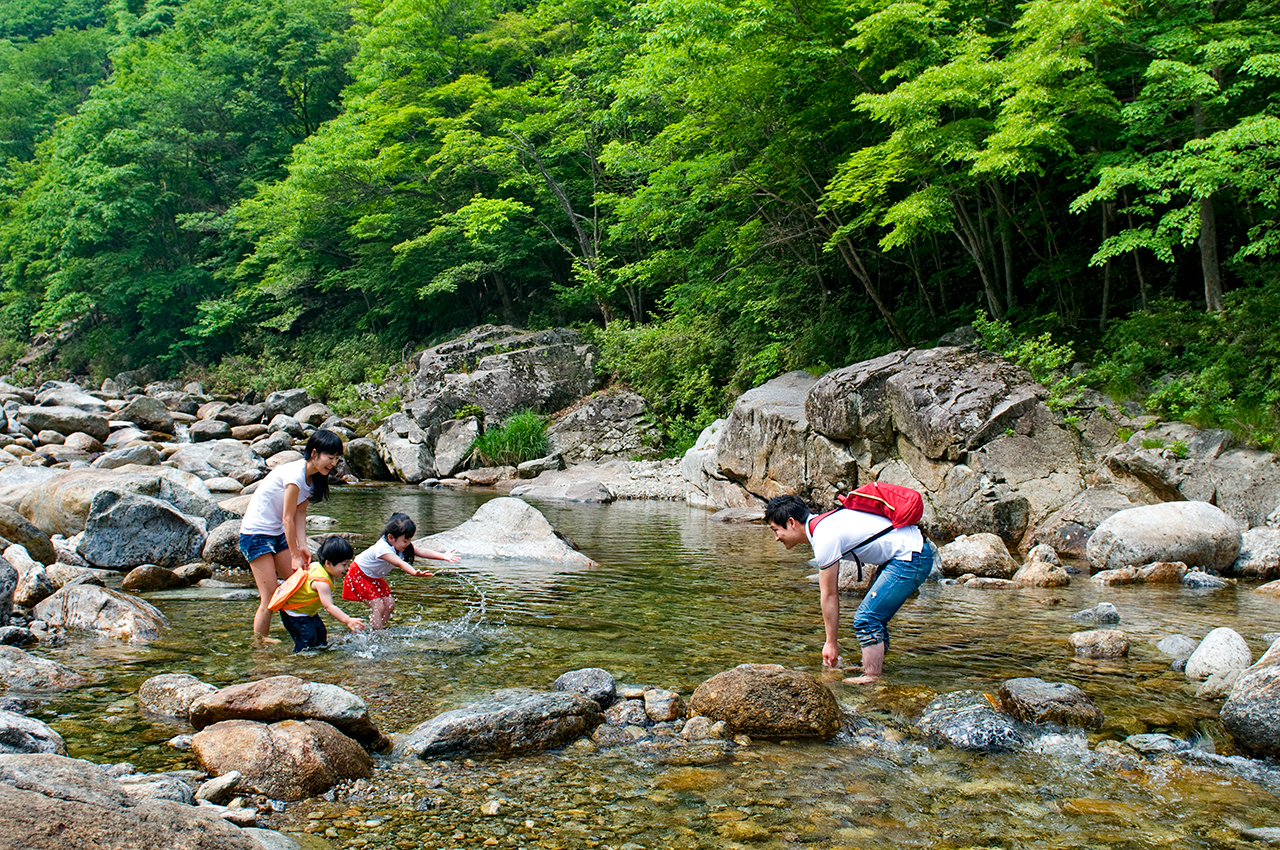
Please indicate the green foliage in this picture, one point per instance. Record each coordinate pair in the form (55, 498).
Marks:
(1152, 443)
(680, 366)
(523, 436)
(1046, 361)
(1212, 370)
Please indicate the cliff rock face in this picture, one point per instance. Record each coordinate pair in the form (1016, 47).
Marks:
(965, 427)
(501, 370)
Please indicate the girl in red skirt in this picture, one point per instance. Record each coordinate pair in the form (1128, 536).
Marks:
(366, 580)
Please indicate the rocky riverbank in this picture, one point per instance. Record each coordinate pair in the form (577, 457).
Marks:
(145, 485)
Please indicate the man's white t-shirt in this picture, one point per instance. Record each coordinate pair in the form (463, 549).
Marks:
(844, 529)
(265, 514)
(370, 560)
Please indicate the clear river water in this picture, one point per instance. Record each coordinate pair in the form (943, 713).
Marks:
(675, 599)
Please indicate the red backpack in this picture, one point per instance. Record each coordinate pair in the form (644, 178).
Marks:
(902, 506)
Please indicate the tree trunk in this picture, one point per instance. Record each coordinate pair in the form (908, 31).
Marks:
(508, 310)
(1208, 234)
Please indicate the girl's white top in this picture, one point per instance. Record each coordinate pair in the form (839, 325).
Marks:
(265, 514)
(370, 560)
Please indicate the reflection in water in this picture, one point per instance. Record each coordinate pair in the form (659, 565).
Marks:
(677, 598)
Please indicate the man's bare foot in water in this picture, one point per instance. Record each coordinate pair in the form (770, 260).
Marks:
(861, 680)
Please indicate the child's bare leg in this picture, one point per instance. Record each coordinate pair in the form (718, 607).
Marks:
(380, 612)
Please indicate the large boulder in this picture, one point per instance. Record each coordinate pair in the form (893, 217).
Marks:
(287, 402)
(510, 722)
(148, 413)
(16, 528)
(125, 530)
(143, 454)
(362, 458)
(613, 423)
(290, 698)
(453, 444)
(67, 394)
(1195, 533)
(508, 529)
(1069, 528)
(966, 720)
(1259, 556)
(1036, 701)
(172, 694)
(766, 443)
(707, 486)
(21, 734)
(1174, 462)
(20, 670)
(86, 607)
(405, 448)
(502, 370)
(970, 429)
(60, 503)
(52, 802)
(1222, 650)
(1251, 714)
(769, 701)
(64, 420)
(982, 554)
(219, 458)
(242, 414)
(288, 760)
(222, 546)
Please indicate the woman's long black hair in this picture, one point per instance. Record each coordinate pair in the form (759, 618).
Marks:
(325, 443)
(401, 526)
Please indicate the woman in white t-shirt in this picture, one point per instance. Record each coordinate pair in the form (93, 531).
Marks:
(273, 533)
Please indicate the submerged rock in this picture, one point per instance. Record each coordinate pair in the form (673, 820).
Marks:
(1251, 714)
(510, 722)
(1036, 701)
(22, 671)
(769, 701)
(172, 694)
(969, 721)
(1100, 643)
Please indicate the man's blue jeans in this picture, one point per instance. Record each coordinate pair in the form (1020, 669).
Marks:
(896, 581)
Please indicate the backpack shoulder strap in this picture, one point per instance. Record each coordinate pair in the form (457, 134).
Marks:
(814, 520)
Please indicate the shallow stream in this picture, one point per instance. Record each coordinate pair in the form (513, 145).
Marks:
(675, 599)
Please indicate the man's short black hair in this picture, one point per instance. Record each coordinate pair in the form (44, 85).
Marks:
(782, 508)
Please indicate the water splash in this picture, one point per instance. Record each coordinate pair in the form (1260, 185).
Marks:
(467, 632)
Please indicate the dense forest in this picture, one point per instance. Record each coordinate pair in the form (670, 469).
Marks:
(277, 192)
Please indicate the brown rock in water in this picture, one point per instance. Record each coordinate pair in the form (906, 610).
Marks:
(149, 577)
(1037, 701)
(769, 701)
(289, 760)
(1100, 643)
(290, 698)
(171, 694)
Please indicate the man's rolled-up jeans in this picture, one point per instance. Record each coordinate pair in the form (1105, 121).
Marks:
(896, 581)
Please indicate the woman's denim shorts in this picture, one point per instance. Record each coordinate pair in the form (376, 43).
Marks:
(256, 545)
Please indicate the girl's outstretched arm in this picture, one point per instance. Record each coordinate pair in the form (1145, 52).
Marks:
(326, 601)
(397, 561)
(451, 556)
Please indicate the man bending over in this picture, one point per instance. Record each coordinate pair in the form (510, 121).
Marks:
(906, 560)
